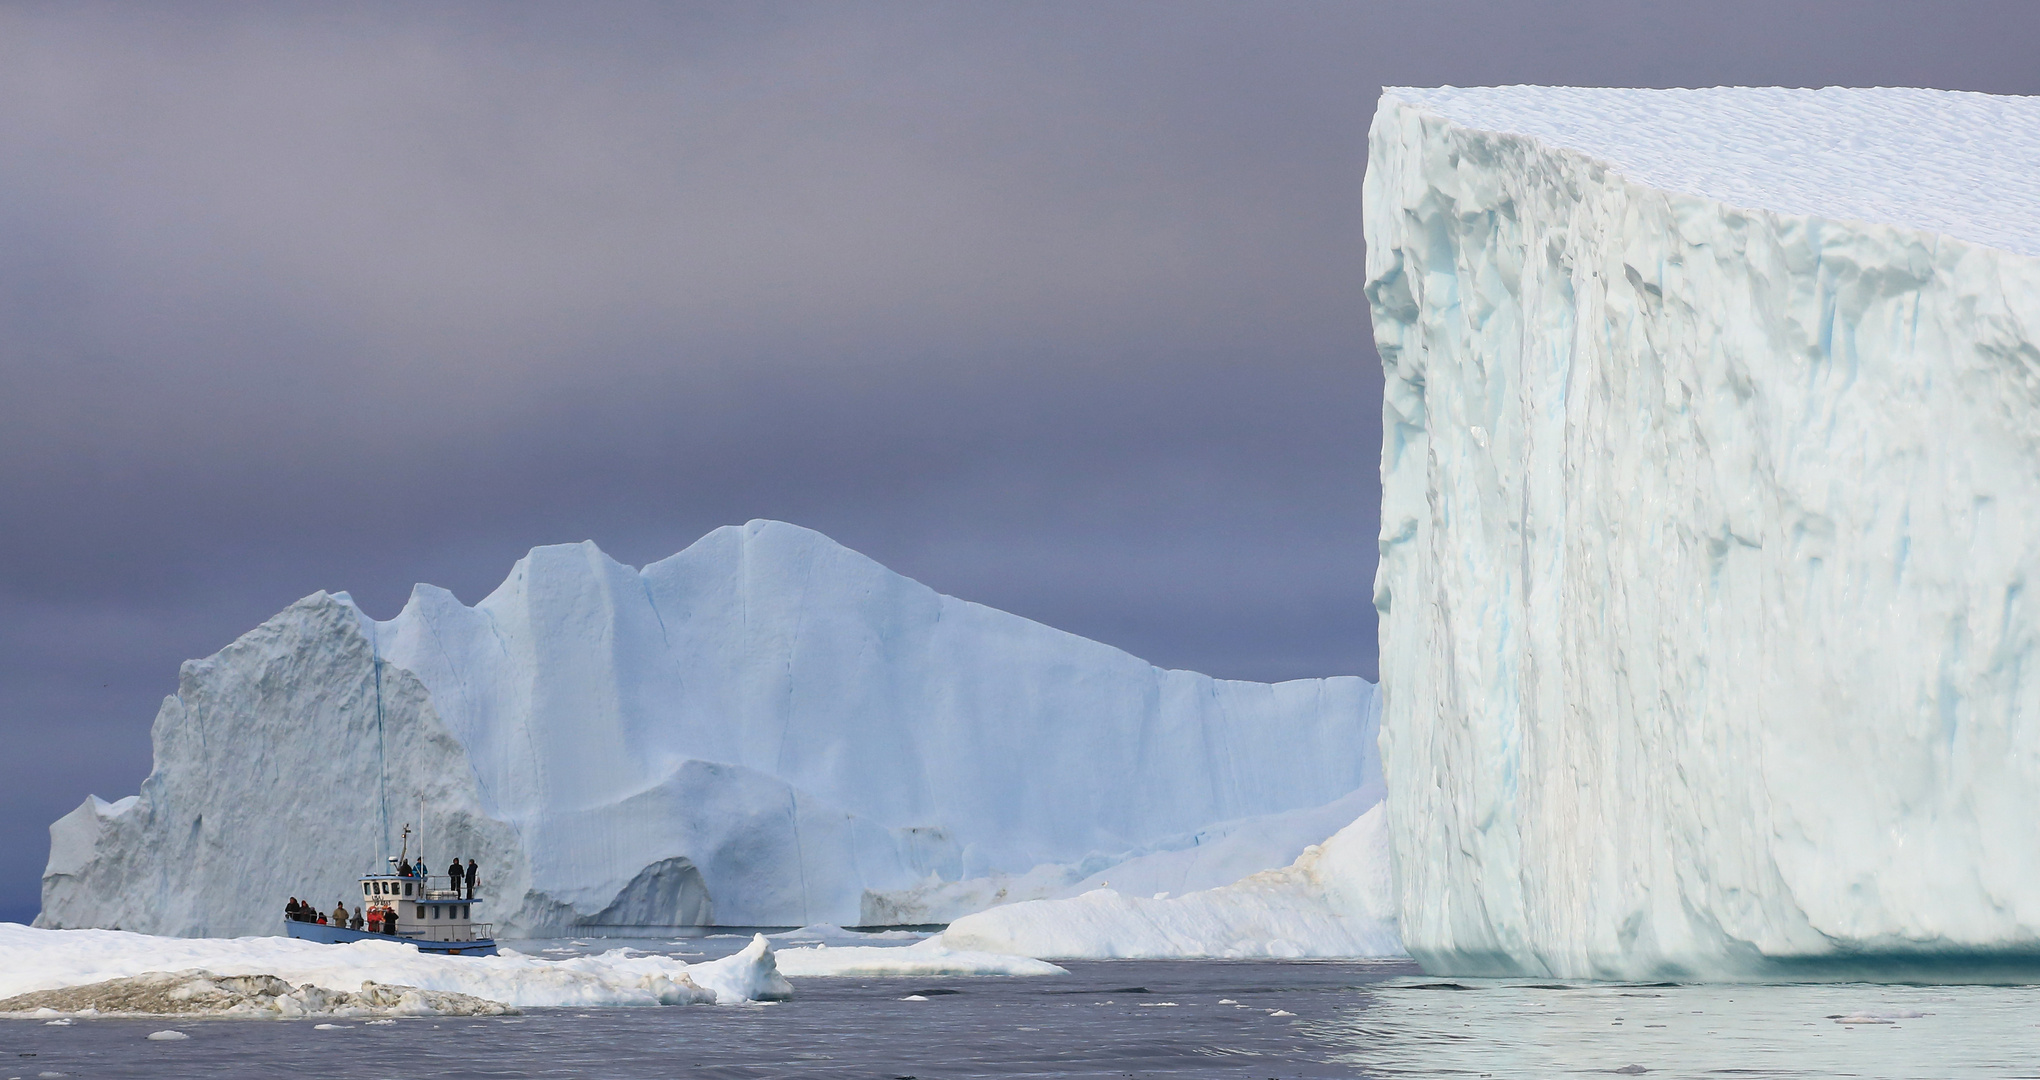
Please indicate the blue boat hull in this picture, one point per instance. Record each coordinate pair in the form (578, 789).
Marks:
(327, 934)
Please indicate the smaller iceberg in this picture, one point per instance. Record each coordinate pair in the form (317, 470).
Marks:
(1335, 900)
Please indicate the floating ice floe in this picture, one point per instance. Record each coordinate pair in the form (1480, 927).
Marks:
(930, 957)
(33, 960)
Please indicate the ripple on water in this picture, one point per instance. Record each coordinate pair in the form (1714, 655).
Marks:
(1419, 1028)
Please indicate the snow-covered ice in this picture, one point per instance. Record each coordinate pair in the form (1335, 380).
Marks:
(1938, 161)
(32, 959)
(1708, 518)
(1336, 900)
(765, 729)
(122, 971)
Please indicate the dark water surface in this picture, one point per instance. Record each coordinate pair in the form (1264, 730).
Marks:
(1126, 1018)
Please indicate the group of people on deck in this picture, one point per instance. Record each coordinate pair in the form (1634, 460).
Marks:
(376, 920)
(378, 915)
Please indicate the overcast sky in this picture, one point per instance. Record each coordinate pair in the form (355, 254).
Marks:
(1056, 307)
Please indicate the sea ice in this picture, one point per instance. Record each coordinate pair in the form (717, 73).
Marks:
(765, 729)
(34, 959)
(1708, 522)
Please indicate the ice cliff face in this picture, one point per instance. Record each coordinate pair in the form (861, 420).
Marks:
(1709, 518)
(765, 729)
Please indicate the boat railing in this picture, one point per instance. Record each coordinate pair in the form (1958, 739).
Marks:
(439, 887)
(480, 931)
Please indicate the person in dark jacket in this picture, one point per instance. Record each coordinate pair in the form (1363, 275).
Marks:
(404, 868)
(472, 873)
(291, 910)
(356, 922)
(453, 875)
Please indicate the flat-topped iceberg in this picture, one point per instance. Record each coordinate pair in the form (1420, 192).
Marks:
(765, 729)
(1709, 521)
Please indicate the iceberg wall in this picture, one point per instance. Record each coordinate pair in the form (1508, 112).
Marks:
(765, 729)
(1709, 517)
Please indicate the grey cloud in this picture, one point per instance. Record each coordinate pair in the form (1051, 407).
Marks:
(1054, 306)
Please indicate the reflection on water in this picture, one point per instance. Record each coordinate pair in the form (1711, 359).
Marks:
(1432, 1027)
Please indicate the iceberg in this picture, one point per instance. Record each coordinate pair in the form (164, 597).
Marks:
(1335, 900)
(766, 729)
(1708, 519)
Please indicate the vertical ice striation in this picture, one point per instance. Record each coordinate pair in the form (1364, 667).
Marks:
(1710, 509)
(765, 729)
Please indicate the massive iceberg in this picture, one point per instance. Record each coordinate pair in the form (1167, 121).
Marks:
(765, 729)
(1709, 514)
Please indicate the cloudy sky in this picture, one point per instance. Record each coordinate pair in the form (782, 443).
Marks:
(1053, 306)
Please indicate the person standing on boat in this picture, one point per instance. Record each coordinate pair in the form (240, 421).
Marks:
(355, 923)
(404, 868)
(340, 913)
(290, 910)
(472, 873)
(454, 874)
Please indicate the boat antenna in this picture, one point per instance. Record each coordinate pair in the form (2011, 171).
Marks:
(405, 856)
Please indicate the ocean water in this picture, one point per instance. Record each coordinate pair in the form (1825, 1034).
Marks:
(1103, 1019)
(1469, 1028)
(1124, 1019)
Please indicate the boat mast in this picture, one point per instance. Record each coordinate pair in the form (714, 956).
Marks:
(382, 780)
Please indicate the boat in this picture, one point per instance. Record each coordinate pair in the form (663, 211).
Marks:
(432, 913)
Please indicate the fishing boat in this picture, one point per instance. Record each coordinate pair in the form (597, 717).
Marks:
(432, 913)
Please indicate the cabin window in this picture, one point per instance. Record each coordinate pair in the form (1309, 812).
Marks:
(463, 911)
(407, 888)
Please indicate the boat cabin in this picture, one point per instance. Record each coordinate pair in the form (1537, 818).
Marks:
(427, 907)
